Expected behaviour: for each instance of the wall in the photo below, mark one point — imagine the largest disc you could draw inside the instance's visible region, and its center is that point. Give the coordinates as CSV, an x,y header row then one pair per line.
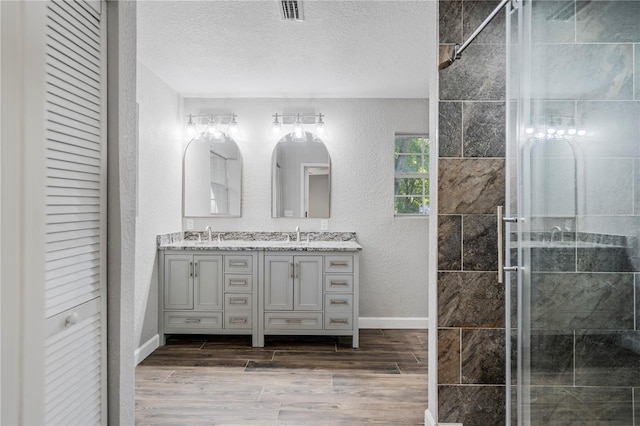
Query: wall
x,y
158,191
471,183
360,134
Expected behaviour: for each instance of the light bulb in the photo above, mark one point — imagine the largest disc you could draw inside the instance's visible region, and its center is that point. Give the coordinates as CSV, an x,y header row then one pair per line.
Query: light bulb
x,y
298,129
582,132
212,128
233,126
529,130
560,132
551,130
276,127
320,125
540,135
191,127
572,131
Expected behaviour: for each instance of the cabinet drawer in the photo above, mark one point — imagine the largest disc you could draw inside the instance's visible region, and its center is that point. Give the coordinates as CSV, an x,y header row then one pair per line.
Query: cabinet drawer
x,y
341,283
238,301
338,302
240,283
338,263
292,321
338,320
238,263
238,320
177,321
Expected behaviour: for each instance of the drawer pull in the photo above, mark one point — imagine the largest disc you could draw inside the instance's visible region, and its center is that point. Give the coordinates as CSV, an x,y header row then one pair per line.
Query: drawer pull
x,y
238,301
339,263
238,283
340,283
339,302
339,321
193,320
293,321
238,320
237,263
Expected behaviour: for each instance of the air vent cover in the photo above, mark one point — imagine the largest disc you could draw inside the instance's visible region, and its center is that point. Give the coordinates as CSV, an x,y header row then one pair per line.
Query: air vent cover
x,y
291,10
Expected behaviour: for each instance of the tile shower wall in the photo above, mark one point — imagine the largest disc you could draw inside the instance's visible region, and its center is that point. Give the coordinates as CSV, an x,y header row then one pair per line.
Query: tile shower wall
x,y
471,183
585,366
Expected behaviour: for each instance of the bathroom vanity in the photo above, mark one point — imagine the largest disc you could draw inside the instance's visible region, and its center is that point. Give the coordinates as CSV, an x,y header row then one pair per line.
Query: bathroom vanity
x,y
259,284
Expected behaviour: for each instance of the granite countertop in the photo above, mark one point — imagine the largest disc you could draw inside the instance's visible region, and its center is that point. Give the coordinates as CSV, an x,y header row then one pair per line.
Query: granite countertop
x,y
266,241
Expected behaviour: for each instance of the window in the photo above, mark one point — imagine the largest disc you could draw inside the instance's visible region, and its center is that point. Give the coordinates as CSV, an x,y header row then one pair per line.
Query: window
x,y
411,177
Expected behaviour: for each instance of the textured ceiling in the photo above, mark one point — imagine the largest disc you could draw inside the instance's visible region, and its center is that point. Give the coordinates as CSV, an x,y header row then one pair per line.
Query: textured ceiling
x,y
239,48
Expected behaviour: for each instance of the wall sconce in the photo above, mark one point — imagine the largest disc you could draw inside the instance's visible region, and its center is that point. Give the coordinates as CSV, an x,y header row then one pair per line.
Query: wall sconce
x,y
213,125
298,120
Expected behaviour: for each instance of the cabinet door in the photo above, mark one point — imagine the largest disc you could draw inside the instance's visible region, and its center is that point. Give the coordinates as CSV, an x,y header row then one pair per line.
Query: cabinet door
x,y
178,283
307,287
208,282
278,283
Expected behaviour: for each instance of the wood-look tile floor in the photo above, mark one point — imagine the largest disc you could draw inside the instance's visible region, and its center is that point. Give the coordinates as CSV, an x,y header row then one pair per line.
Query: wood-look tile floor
x,y
293,380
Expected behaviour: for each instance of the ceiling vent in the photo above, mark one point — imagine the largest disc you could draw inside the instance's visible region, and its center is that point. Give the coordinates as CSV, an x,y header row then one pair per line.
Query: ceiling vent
x,y
291,10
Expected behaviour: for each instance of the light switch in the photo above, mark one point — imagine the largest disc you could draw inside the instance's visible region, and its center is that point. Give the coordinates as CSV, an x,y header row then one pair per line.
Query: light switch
x,y
189,224
324,224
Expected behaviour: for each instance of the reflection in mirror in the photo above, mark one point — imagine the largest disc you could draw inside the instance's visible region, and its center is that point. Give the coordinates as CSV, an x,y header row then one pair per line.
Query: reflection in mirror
x,y
212,174
301,178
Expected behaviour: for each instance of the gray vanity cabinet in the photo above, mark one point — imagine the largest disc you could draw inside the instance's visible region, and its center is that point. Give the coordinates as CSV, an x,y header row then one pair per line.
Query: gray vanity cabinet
x,y
209,293
293,283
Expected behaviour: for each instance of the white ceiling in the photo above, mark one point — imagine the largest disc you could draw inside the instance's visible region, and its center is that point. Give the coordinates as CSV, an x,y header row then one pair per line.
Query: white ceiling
x,y
238,48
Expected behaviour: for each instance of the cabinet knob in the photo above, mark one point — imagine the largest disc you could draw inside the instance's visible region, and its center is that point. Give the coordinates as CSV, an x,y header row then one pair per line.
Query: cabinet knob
x,y
71,319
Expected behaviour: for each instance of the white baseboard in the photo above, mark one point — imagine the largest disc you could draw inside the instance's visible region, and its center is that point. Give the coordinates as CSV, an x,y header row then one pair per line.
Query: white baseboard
x,y
147,347
392,322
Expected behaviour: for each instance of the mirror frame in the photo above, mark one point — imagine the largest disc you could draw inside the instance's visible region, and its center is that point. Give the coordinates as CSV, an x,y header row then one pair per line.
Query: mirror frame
x,y
184,180
309,137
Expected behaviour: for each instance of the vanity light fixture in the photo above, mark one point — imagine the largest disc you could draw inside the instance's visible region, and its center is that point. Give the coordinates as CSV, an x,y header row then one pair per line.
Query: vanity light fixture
x,y
298,120
213,125
559,128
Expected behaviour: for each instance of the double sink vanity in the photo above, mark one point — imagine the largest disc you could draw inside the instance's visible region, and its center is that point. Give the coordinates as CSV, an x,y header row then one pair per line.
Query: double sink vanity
x,y
259,283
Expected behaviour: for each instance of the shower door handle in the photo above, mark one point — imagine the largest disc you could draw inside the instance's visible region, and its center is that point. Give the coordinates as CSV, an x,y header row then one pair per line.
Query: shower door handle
x,y
501,220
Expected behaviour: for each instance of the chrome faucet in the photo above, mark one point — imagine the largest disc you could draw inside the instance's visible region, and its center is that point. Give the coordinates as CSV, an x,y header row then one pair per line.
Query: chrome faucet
x,y
297,234
208,229
554,230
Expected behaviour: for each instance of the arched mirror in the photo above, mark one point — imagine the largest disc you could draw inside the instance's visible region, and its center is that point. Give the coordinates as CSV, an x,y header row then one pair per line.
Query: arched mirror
x,y
212,175
300,178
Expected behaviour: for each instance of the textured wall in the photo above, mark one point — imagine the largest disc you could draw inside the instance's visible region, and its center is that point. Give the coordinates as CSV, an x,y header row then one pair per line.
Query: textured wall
x,y
393,270
159,189
471,335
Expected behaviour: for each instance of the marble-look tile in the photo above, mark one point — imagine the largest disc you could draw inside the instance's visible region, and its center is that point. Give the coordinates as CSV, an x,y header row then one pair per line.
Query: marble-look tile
x,y
472,405
582,301
607,358
450,129
470,299
474,12
636,73
608,21
479,243
449,355
480,74
613,129
562,406
483,356
552,357
607,259
636,186
608,188
484,129
450,21
637,285
449,242
553,21
544,259
582,71
470,185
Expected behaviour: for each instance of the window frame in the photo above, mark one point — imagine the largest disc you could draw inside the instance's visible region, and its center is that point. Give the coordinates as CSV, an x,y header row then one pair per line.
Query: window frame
x,y
424,176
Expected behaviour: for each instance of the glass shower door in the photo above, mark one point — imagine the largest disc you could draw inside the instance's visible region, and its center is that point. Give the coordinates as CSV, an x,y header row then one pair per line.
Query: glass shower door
x,y
575,78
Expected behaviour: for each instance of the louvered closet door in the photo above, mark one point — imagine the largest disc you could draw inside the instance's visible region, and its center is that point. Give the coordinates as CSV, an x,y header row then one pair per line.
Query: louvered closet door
x,y
75,382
